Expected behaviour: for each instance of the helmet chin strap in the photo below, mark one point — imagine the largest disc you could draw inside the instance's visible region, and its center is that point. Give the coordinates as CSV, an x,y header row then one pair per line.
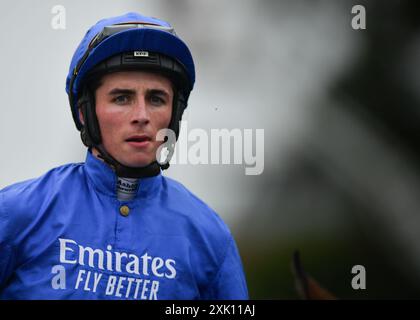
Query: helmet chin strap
x,y
123,171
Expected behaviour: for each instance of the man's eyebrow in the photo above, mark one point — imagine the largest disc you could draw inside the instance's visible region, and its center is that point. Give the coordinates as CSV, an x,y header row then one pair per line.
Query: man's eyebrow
x,y
158,92
117,91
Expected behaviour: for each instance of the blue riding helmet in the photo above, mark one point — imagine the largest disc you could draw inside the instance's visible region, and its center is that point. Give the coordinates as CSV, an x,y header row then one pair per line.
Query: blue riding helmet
x,y
152,35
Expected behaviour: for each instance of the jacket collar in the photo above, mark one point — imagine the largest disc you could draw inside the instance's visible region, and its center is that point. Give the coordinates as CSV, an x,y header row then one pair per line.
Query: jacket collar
x,y
104,179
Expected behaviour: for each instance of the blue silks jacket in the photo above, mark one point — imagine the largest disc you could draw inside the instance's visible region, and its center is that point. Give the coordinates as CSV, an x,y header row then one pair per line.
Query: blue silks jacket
x,y
65,235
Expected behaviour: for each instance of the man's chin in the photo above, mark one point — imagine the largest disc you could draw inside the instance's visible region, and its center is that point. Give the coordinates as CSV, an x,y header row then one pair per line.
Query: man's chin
x,y
137,163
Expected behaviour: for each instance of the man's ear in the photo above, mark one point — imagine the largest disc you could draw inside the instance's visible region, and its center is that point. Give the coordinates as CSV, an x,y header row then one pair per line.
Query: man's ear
x,y
81,118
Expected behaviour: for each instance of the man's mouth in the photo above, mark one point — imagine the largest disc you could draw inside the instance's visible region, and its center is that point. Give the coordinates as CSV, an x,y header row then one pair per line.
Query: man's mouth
x,y
139,141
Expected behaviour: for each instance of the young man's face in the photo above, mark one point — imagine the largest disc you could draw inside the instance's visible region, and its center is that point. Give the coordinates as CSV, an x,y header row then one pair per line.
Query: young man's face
x,y
131,108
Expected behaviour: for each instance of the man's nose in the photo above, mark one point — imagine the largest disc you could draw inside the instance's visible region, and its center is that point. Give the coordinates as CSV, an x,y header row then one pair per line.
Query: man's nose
x,y
140,114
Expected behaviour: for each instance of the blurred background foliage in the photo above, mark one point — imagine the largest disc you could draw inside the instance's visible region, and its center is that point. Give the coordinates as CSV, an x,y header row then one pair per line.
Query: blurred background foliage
x,y
349,192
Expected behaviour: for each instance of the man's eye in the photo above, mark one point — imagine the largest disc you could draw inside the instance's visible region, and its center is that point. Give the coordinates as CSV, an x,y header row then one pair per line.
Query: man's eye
x,y
156,100
124,99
